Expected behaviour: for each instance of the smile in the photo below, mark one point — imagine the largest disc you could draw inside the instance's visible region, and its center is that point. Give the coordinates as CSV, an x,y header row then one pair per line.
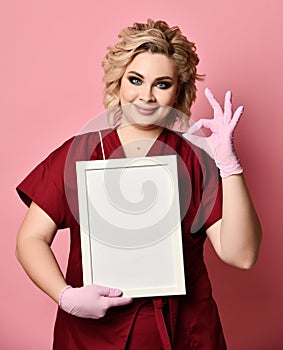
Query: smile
x,y
146,110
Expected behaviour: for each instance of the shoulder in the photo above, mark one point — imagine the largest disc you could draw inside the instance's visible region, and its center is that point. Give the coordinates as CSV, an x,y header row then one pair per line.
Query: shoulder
x,y
199,164
185,149
78,147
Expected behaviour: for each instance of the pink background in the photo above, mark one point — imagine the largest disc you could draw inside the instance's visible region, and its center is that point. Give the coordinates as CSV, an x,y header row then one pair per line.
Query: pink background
x,y
51,86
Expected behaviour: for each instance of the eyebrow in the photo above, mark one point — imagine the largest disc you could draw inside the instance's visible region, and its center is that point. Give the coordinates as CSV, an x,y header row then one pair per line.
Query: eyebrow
x,y
166,77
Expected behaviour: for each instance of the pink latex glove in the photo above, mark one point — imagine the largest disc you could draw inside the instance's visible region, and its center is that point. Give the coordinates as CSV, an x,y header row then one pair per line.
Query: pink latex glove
x,y
219,145
91,301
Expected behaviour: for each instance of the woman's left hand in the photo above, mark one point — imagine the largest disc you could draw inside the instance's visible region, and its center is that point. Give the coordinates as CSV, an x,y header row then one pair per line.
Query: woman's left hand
x,y
219,145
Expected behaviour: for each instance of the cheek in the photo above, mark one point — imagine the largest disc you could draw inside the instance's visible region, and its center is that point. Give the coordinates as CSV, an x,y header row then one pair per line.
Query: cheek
x,y
127,93
172,99
169,98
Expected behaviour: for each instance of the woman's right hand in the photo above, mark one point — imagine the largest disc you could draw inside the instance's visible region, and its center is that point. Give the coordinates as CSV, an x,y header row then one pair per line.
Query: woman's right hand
x,y
90,301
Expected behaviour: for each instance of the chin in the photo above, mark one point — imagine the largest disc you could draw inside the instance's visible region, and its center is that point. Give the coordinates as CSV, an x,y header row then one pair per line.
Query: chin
x,y
147,125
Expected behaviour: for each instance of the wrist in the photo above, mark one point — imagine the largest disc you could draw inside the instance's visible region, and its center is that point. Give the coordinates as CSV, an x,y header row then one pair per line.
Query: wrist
x,y
61,294
227,170
227,161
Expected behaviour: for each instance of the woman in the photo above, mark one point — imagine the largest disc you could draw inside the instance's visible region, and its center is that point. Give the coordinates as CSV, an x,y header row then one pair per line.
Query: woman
x,y
150,78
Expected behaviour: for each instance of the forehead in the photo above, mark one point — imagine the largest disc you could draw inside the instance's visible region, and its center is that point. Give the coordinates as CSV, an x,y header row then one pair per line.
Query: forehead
x,y
152,64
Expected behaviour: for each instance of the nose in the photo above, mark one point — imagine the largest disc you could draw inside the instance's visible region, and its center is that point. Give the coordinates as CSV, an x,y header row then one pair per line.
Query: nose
x,y
146,94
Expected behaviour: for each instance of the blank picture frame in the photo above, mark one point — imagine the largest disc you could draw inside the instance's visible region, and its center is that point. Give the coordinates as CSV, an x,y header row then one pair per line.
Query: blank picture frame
x,y
130,225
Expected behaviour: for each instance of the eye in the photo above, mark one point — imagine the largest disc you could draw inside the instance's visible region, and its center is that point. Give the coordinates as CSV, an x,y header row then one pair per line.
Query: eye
x,y
134,80
163,85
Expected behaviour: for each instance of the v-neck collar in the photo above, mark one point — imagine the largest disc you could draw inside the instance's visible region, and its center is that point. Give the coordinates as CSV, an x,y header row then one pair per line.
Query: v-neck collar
x,y
151,150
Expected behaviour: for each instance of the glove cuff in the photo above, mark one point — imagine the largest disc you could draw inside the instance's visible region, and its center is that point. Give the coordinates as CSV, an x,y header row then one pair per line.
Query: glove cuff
x,y
61,295
233,168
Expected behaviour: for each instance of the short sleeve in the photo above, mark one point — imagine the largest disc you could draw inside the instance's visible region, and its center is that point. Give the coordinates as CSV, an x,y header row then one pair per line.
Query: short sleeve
x,y
214,205
45,186
210,200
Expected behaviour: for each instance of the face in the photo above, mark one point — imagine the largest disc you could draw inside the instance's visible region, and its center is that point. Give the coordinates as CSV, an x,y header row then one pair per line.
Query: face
x,y
148,89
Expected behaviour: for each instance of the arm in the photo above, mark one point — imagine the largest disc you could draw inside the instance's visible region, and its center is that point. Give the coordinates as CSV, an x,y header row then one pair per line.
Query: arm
x,y
35,255
236,237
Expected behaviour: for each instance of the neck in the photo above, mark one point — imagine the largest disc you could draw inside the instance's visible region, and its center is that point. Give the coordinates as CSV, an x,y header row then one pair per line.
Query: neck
x,y
131,132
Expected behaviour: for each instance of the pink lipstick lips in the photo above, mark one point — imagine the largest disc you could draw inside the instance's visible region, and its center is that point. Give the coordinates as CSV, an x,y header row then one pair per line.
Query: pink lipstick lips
x,y
146,110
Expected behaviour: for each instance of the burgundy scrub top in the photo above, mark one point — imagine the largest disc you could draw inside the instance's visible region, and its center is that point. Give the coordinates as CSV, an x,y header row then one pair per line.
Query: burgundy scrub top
x,y
189,321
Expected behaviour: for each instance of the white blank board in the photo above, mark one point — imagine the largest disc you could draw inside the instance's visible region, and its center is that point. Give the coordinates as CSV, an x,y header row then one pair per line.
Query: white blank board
x,y
130,225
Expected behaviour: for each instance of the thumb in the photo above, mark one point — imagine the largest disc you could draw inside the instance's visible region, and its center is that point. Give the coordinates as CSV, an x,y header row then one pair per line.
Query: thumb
x,y
206,123
201,142
108,291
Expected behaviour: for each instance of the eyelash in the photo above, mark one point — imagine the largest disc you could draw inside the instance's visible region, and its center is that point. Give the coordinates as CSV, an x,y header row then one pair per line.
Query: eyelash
x,y
137,81
166,85
134,80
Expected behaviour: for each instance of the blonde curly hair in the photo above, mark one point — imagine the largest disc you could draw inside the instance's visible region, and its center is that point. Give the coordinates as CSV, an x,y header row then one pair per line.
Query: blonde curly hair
x,y
155,37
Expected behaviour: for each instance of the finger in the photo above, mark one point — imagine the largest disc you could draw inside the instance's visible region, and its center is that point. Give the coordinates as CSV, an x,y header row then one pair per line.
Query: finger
x,y
214,103
201,142
119,301
201,123
236,117
228,107
107,291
